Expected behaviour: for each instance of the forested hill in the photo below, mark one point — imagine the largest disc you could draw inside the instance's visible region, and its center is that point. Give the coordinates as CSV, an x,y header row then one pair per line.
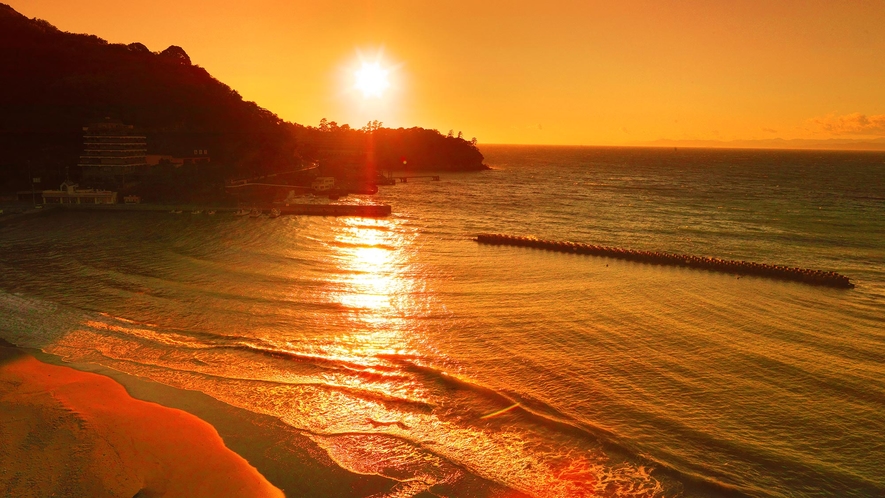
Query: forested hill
x,y
54,83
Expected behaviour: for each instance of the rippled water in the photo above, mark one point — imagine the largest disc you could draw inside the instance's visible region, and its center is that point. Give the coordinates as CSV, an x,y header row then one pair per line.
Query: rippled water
x,y
403,348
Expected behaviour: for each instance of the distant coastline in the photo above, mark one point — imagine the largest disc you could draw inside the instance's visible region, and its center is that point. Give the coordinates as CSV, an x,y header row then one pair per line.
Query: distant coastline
x,y
845,144
835,145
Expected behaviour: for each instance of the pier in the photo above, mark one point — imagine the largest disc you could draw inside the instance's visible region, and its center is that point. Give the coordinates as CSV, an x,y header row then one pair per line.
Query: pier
x,y
405,179
806,276
360,210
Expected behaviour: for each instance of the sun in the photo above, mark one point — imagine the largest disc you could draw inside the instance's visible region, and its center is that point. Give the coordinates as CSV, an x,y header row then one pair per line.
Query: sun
x,y
371,79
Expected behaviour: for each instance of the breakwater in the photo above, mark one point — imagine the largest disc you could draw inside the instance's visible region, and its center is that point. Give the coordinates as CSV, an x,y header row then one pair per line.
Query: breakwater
x,y
360,210
812,277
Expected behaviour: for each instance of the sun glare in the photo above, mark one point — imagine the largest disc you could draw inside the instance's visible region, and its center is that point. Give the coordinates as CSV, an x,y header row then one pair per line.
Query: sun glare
x,y
371,79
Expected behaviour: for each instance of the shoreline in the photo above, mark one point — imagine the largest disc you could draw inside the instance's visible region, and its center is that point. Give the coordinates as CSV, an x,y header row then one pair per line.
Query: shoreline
x,y
73,433
361,210
85,430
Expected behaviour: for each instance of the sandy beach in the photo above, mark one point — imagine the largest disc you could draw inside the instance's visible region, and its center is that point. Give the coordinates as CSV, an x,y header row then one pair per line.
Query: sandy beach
x,y
70,433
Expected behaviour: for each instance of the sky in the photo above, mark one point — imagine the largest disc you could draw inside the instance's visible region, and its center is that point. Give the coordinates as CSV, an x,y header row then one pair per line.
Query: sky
x,y
553,72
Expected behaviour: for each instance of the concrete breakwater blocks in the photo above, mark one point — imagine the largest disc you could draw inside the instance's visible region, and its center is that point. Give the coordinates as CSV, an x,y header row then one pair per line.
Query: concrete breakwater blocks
x,y
811,277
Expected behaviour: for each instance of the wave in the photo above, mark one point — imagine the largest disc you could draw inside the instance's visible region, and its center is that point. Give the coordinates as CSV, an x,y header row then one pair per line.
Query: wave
x,y
364,391
521,405
532,412
33,322
360,245
453,407
440,423
337,362
380,228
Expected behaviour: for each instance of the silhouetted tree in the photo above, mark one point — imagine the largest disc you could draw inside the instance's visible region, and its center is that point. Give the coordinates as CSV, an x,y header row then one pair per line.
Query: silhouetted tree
x,y
176,53
138,48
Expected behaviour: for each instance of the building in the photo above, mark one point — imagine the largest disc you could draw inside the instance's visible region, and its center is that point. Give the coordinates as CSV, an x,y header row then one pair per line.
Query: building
x,y
323,184
68,193
157,159
113,153
199,156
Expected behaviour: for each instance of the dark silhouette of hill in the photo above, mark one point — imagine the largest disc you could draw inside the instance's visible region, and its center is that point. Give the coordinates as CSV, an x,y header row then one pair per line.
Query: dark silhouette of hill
x,y
55,83
59,82
374,149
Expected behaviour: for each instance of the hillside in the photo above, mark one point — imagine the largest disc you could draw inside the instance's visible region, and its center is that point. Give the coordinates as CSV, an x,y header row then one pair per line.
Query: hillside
x,y
62,82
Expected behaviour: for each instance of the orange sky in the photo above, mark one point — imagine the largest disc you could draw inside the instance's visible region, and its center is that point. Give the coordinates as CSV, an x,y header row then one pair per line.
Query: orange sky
x,y
554,72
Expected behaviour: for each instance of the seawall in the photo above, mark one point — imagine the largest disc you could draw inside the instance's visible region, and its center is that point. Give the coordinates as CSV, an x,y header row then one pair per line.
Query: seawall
x,y
806,276
362,210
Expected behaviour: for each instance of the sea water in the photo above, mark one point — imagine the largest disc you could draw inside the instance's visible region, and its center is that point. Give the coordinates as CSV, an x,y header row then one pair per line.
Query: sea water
x,y
400,347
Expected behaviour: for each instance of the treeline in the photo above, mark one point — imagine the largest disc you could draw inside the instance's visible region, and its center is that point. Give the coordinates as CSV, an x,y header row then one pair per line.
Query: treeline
x,y
378,149
55,83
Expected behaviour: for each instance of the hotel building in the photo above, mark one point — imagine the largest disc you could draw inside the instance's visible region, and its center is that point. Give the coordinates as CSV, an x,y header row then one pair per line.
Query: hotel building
x,y
112,154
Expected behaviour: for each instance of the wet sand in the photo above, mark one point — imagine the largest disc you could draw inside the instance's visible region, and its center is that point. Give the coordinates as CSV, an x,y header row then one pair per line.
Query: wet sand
x,y
64,432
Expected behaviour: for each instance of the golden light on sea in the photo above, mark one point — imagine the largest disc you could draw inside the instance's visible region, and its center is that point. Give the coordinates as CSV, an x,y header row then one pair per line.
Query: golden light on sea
x,y
373,288
373,285
367,265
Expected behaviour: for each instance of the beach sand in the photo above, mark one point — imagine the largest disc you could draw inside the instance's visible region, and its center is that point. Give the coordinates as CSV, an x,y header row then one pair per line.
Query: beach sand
x,y
64,432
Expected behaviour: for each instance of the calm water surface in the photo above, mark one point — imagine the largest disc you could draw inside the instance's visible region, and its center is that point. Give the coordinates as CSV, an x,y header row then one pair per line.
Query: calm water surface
x,y
401,347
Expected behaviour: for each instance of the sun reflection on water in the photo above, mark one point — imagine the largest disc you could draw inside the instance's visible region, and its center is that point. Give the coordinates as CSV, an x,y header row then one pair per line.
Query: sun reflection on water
x,y
368,258
373,284
368,386
370,284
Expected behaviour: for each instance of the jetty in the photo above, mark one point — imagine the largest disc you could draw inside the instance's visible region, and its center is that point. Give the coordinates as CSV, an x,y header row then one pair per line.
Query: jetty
x,y
405,179
359,210
802,275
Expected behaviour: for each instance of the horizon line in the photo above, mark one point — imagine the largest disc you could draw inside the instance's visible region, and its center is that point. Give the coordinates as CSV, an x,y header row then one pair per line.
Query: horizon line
x,y
725,146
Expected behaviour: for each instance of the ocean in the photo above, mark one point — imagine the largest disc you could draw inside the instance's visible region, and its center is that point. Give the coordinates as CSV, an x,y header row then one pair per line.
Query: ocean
x,y
400,347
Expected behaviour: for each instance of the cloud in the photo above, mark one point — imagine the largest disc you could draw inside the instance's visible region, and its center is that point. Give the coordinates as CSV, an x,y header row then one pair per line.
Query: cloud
x,y
769,130
851,124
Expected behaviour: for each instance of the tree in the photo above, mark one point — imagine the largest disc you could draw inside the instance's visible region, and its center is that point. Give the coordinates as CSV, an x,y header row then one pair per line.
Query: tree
x,y
138,48
178,54
372,126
